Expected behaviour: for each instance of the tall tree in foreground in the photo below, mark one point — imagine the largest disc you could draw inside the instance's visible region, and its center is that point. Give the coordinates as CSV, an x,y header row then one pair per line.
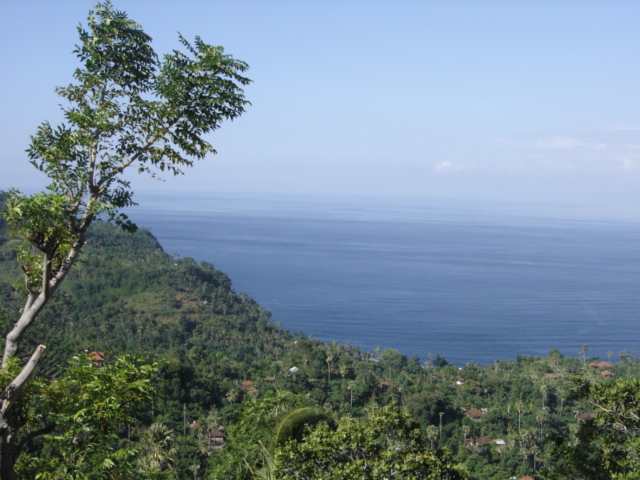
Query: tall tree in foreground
x,y
127,110
84,416
384,445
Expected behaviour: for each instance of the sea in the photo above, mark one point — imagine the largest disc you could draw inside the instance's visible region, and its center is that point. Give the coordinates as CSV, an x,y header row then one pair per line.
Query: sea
x,y
469,281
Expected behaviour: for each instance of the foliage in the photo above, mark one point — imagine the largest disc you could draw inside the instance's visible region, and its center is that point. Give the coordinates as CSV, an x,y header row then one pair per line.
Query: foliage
x,y
127,109
224,361
609,444
42,222
127,295
157,452
265,424
85,415
384,445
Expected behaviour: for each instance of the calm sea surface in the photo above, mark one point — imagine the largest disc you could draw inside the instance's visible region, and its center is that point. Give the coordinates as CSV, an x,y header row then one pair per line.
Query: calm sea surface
x,y
468,282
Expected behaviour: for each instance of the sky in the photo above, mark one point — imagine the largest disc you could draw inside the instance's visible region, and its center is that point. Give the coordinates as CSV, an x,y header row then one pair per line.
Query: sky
x,y
502,101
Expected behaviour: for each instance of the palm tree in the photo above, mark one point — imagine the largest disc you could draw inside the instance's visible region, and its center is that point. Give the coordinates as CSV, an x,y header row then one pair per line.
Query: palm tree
x,y
465,431
562,396
194,468
520,407
542,416
329,361
351,384
583,353
157,449
624,358
290,427
432,434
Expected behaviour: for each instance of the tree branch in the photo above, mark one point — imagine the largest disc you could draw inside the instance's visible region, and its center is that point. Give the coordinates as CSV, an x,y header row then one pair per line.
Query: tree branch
x,y
45,276
11,392
33,434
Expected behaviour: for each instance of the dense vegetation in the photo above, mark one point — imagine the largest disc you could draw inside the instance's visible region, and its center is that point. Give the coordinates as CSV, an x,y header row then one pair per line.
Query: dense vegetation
x,y
120,361
152,367
282,405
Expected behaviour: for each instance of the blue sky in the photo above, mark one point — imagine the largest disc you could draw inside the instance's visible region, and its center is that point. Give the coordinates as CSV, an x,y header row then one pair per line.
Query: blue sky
x,y
506,101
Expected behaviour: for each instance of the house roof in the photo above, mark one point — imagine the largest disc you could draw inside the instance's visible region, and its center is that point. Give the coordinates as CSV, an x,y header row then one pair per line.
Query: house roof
x,y
218,433
96,356
474,413
600,365
584,416
483,441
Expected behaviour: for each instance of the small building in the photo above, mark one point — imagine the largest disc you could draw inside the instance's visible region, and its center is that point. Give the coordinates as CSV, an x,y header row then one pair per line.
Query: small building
x,y
478,442
600,365
483,441
217,437
475,414
97,358
583,417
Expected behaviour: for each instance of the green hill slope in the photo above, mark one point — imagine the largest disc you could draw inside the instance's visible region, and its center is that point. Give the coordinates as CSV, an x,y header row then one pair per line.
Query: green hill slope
x,y
224,359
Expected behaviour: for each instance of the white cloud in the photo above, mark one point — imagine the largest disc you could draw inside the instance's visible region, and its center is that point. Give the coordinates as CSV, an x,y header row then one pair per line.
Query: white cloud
x,y
558,142
447,166
627,164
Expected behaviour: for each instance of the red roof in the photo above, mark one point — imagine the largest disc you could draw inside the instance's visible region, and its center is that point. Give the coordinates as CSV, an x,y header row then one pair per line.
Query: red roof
x,y
483,441
584,416
601,365
96,356
218,433
474,413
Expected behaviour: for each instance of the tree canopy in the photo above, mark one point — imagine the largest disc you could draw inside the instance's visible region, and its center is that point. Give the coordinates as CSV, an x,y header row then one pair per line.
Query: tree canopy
x,y
128,109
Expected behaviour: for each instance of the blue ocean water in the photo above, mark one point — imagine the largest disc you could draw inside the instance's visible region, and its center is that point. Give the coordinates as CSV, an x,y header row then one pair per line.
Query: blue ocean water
x,y
469,282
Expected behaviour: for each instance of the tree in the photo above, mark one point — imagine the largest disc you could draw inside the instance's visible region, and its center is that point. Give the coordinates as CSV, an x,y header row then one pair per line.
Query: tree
x,y
609,444
432,434
127,110
84,417
583,353
157,450
426,407
265,424
384,445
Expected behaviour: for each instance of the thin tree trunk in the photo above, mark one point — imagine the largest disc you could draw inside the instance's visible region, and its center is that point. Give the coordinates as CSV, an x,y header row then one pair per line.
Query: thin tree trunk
x,y
7,399
7,461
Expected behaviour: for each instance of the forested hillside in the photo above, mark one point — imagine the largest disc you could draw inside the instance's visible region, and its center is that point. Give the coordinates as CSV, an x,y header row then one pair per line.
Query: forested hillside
x,y
228,377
